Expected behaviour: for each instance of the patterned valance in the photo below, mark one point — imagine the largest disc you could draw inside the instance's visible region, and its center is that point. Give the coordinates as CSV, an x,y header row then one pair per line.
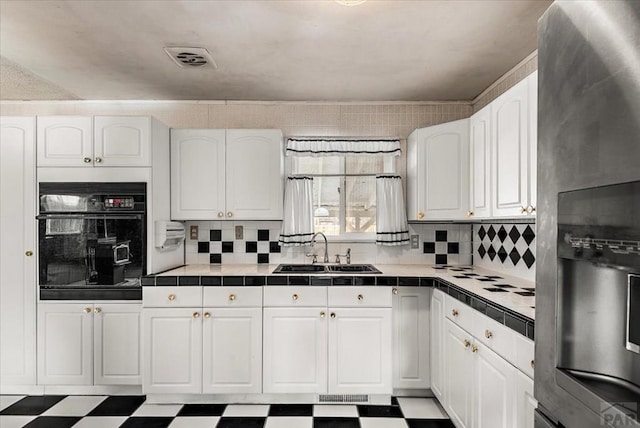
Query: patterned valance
x,y
342,146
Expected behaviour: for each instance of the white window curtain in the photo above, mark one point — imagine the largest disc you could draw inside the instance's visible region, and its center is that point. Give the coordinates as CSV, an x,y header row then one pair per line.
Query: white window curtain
x,y
391,223
297,226
335,146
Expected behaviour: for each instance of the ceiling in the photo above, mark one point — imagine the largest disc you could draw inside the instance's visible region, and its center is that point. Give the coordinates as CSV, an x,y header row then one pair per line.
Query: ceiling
x,y
291,50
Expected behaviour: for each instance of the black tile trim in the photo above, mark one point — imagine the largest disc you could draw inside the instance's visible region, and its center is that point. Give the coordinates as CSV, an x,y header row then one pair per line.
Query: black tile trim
x,y
166,280
188,280
232,280
505,316
211,280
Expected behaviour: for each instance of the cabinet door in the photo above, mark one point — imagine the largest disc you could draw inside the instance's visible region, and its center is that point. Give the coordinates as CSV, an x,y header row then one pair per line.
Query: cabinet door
x,y
232,351
458,368
116,344
526,404
197,174
480,146
295,350
360,351
533,140
172,351
65,351
122,141
254,174
437,346
411,323
493,389
17,267
441,182
65,141
510,147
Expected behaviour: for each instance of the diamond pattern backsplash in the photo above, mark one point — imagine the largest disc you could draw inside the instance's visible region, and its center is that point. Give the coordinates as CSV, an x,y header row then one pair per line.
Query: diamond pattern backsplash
x,y
506,247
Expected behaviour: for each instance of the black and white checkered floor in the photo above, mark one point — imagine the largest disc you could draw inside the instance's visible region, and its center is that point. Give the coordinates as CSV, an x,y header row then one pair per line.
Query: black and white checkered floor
x,y
59,411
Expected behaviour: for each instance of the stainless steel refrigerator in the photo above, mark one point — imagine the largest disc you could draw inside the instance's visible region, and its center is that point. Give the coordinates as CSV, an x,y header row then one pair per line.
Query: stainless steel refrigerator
x,y
588,225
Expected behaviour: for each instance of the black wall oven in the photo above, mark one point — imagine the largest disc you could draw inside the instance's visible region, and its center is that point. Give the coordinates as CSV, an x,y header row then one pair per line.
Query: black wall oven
x,y
92,240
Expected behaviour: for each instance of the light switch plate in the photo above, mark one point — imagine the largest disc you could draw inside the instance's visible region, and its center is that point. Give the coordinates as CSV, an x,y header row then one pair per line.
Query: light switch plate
x,y
239,232
415,241
193,233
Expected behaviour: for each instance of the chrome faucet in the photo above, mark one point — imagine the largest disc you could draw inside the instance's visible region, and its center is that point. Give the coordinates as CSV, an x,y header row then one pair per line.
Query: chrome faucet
x,y
347,255
326,245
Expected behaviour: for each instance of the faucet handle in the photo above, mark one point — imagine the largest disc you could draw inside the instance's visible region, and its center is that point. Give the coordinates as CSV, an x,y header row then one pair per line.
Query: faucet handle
x,y
315,258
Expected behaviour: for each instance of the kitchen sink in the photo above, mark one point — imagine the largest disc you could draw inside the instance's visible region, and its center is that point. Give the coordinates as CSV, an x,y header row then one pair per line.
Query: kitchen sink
x,y
320,268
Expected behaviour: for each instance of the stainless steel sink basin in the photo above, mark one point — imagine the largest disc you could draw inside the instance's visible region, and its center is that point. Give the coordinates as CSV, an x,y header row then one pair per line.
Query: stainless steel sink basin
x,y
317,268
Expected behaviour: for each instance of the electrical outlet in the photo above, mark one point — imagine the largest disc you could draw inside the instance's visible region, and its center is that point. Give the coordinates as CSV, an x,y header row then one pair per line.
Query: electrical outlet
x,y
415,241
193,232
239,232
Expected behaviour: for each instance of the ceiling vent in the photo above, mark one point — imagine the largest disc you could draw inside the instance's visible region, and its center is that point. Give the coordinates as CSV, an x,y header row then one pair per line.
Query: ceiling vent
x,y
191,57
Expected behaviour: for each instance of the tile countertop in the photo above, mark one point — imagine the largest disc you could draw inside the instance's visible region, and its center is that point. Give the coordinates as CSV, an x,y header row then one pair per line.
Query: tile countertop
x,y
492,286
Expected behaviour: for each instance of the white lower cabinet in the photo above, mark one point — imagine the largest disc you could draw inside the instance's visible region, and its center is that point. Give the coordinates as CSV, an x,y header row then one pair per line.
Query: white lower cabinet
x,y
436,329
493,389
336,345
295,350
215,349
477,381
458,375
117,344
411,324
526,404
232,350
88,344
360,351
172,350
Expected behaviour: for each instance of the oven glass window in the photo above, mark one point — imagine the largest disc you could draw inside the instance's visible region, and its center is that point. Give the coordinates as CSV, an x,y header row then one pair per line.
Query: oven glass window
x,y
89,250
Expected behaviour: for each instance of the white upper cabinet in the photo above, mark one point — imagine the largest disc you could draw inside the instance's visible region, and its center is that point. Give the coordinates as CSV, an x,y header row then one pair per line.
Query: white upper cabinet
x,y
122,141
480,146
197,174
512,149
438,172
233,174
65,141
254,174
81,141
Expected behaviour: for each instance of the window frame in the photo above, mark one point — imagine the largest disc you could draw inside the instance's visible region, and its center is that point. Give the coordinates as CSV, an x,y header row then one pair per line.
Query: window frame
x,y
389,167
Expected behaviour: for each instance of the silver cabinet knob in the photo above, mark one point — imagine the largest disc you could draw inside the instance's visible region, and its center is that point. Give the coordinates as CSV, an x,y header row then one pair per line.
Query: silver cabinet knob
x,y
86,160
98,160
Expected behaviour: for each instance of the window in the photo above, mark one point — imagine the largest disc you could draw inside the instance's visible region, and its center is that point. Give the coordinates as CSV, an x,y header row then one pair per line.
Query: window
x,y
344,192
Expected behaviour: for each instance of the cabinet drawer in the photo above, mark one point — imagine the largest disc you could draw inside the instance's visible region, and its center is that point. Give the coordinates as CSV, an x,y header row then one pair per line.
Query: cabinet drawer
x,y
496,336
276,296
524,358
375,297
171,297
459,313
241,297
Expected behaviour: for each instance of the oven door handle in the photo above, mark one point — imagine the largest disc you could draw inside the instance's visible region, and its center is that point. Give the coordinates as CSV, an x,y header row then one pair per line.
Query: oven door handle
x,y
89,216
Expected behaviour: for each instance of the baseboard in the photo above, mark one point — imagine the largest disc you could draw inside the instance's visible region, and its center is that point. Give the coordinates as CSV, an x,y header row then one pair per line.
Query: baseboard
x,y
403,392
